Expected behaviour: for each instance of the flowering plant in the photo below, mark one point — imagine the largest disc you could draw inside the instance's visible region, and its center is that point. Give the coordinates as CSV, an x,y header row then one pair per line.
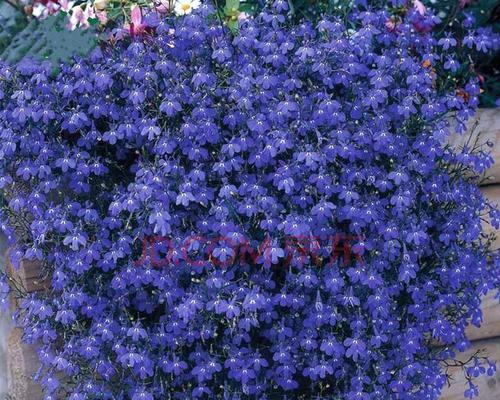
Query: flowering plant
x,y
83,13
486,14
451,15
280,132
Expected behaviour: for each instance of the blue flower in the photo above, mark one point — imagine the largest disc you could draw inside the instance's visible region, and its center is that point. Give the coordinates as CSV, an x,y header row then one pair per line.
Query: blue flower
x,y
254,215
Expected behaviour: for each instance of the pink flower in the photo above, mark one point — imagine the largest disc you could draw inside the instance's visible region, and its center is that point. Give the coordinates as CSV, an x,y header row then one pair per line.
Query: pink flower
x,y
162,6
80,17
53,7
102,16
66,5
136,25
89,13
77,18
419,7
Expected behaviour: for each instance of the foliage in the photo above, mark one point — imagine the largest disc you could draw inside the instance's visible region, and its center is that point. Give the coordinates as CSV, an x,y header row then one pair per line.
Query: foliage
x,y
487,15
278,138
44,39
11,22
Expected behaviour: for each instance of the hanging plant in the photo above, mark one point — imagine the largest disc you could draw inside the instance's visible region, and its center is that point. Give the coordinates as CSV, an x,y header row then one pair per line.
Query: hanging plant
x,y
268,215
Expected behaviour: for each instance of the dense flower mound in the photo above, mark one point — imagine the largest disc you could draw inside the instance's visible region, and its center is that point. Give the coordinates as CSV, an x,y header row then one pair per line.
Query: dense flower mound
x,y
188,195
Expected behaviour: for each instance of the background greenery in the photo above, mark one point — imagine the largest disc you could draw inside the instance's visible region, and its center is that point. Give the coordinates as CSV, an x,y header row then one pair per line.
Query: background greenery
x,y
46,39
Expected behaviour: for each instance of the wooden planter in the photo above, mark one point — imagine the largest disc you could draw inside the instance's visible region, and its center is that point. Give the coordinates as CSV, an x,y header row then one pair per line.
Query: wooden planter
x,y
22,360
486,338
486,128
485,131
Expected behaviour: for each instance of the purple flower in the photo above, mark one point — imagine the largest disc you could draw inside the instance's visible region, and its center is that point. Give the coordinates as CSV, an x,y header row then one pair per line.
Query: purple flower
x,y
250,215
355,348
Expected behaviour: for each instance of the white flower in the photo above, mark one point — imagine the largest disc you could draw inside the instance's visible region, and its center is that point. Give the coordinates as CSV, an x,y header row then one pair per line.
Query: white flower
x,y
183,7
40,11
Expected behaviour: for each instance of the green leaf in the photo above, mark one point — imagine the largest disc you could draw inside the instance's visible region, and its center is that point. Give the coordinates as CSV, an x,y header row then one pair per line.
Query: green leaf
x,y
55,71
248,8
233,25
49,39
231,6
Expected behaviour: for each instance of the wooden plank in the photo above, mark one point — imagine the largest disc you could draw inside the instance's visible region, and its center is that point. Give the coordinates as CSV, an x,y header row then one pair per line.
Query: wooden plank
x,y
488,130
22,364
32,276
22,360
492,193
29,275
488,335
490,306
489,386
491,319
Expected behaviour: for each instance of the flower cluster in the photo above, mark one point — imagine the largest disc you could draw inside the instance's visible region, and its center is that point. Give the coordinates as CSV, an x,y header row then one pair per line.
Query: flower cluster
x,y
81,14
453,14
281,131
